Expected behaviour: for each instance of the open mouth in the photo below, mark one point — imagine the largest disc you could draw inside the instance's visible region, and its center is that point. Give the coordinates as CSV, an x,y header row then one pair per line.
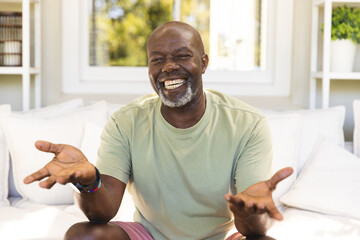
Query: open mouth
x,y
172,84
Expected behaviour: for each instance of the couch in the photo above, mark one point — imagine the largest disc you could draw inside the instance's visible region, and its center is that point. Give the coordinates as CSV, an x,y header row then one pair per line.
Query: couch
x,y
321,200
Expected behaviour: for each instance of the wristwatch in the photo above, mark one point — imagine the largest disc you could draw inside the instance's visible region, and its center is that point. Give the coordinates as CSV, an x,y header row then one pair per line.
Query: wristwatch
x,y
94,186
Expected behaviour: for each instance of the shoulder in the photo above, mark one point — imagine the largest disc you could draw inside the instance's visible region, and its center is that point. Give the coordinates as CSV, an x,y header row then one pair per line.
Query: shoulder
x,y
139,106
233,106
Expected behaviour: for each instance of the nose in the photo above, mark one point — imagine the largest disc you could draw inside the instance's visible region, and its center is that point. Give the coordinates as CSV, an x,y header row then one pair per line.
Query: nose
x,y
170,66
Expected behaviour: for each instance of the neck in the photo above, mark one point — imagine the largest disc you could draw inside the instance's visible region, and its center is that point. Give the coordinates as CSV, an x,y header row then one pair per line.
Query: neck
x,y
185,116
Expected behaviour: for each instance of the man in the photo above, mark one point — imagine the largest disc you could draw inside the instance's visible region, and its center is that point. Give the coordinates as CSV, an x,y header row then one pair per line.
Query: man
x,y
193,160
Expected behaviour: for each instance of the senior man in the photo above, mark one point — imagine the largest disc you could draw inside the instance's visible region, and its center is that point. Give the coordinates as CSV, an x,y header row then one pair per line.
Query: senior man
x,y
197,162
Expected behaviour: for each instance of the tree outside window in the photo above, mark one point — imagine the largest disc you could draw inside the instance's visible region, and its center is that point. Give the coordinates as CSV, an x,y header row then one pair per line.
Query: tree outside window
x,y
118,30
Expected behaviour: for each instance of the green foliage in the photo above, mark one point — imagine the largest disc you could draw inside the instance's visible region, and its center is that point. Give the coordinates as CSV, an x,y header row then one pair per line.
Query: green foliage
x,y
120,28
346,24
120,39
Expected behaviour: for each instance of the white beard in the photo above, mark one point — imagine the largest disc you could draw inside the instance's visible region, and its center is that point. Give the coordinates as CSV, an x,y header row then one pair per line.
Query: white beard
x,y
185,99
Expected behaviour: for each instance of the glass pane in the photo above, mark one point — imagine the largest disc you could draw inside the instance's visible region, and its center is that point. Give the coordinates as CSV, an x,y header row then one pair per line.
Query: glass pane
x,y
197,14
119,30
236,35
233,34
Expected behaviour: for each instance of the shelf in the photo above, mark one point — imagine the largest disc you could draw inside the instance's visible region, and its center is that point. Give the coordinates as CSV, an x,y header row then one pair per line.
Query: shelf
x,y
322,2
345,76
17,1
18,70
31,49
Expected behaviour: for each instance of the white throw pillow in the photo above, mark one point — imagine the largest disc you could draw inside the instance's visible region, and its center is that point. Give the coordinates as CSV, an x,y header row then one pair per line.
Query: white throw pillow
x,y
44,112
285,131
329,183
111,107
328,123
4,160
23,131
356,107
54,109
89,146
91,141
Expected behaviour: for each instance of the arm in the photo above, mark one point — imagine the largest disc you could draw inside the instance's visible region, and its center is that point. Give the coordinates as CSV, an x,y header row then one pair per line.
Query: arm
x,y
254,207
102,205
69,165
253,200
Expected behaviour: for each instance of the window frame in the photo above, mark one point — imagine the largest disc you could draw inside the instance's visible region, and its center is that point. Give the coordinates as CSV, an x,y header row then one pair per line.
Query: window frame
x,y
79,77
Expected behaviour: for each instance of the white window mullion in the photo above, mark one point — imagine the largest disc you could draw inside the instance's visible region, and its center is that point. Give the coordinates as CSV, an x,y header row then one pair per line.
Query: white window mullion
x,y
177,10
276,36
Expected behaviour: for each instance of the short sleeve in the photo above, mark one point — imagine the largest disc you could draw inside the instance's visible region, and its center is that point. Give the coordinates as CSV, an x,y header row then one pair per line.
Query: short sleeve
x,y
254,163
114,155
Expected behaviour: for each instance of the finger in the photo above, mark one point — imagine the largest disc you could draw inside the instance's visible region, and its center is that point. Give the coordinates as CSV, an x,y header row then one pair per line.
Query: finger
x,y
260,208
48,146
65,177
234,199
36,176
48,183
274,212
235,203
69,176
278,177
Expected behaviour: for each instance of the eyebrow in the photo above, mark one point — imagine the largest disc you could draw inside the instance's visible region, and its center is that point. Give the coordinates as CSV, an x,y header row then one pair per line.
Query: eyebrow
x,y
152,53
182,49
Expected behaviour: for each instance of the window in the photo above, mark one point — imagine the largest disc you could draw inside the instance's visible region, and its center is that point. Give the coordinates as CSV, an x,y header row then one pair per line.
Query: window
x,y
105,43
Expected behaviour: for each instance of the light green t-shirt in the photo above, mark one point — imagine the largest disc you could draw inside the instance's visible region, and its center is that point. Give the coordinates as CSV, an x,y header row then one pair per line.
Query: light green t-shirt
x,y
178,177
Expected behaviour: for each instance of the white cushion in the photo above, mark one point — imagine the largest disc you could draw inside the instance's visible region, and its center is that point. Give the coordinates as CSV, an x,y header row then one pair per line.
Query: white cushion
x,y
356,140
44,112
54,109
329,183
91,141
4,160
89,146
314,123
23,131
5,108
37,222
285,131
111,107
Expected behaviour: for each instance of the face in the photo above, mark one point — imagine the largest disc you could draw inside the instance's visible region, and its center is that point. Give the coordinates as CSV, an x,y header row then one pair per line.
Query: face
x,y
176,62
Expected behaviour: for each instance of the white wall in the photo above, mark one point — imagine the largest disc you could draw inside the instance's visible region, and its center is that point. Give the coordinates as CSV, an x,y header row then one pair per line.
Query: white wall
x,y
342,92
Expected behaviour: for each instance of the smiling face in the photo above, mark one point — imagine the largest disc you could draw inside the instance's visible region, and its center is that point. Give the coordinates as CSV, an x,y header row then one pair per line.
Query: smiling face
x,y
176,63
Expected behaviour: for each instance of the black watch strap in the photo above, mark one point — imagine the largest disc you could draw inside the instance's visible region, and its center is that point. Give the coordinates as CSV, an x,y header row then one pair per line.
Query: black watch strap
x,y
89,188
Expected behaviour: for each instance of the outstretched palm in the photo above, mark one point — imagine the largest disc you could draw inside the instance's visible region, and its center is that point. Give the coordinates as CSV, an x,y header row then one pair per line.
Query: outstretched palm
x,y
68,165
257,198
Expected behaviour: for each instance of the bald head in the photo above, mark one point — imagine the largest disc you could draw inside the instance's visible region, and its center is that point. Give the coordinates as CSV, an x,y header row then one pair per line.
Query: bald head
x,y
178,29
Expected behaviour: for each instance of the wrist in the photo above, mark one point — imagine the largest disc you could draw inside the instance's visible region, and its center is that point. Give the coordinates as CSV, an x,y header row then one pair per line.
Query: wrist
x,y
93,187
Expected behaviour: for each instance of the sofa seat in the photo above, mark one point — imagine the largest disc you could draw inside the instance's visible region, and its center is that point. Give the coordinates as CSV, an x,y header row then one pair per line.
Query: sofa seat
x,y
301,224
319,201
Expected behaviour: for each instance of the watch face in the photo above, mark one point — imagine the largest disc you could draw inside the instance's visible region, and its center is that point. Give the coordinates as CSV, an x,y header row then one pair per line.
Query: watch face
x,y
78,187
74,187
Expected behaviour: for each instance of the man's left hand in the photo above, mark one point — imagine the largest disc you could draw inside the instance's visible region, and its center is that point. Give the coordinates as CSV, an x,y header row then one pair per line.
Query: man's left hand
x,y
257,199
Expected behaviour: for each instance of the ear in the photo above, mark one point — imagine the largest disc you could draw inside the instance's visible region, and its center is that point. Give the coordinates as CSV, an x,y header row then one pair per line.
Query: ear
x,y
205,62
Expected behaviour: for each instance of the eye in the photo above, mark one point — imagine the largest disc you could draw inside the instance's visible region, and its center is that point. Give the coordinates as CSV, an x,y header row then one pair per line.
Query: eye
x,y
156,60
183,56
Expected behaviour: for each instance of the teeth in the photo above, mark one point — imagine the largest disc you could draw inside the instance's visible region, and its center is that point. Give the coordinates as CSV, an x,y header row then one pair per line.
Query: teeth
x,y
172,84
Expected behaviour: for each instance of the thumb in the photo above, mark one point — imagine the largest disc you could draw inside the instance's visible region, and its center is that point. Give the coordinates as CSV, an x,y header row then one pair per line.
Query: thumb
x,y
278,177
46,146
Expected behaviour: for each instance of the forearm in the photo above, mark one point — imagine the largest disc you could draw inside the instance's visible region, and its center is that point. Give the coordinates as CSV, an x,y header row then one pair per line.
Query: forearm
x,y
103,204
253,225
97,206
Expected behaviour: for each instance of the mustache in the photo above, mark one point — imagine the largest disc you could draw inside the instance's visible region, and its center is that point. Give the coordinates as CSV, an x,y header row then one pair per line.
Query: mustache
x,y
177,73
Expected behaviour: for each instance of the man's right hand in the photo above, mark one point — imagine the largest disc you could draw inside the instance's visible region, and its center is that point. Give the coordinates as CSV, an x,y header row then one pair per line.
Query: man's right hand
x,y
68,165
